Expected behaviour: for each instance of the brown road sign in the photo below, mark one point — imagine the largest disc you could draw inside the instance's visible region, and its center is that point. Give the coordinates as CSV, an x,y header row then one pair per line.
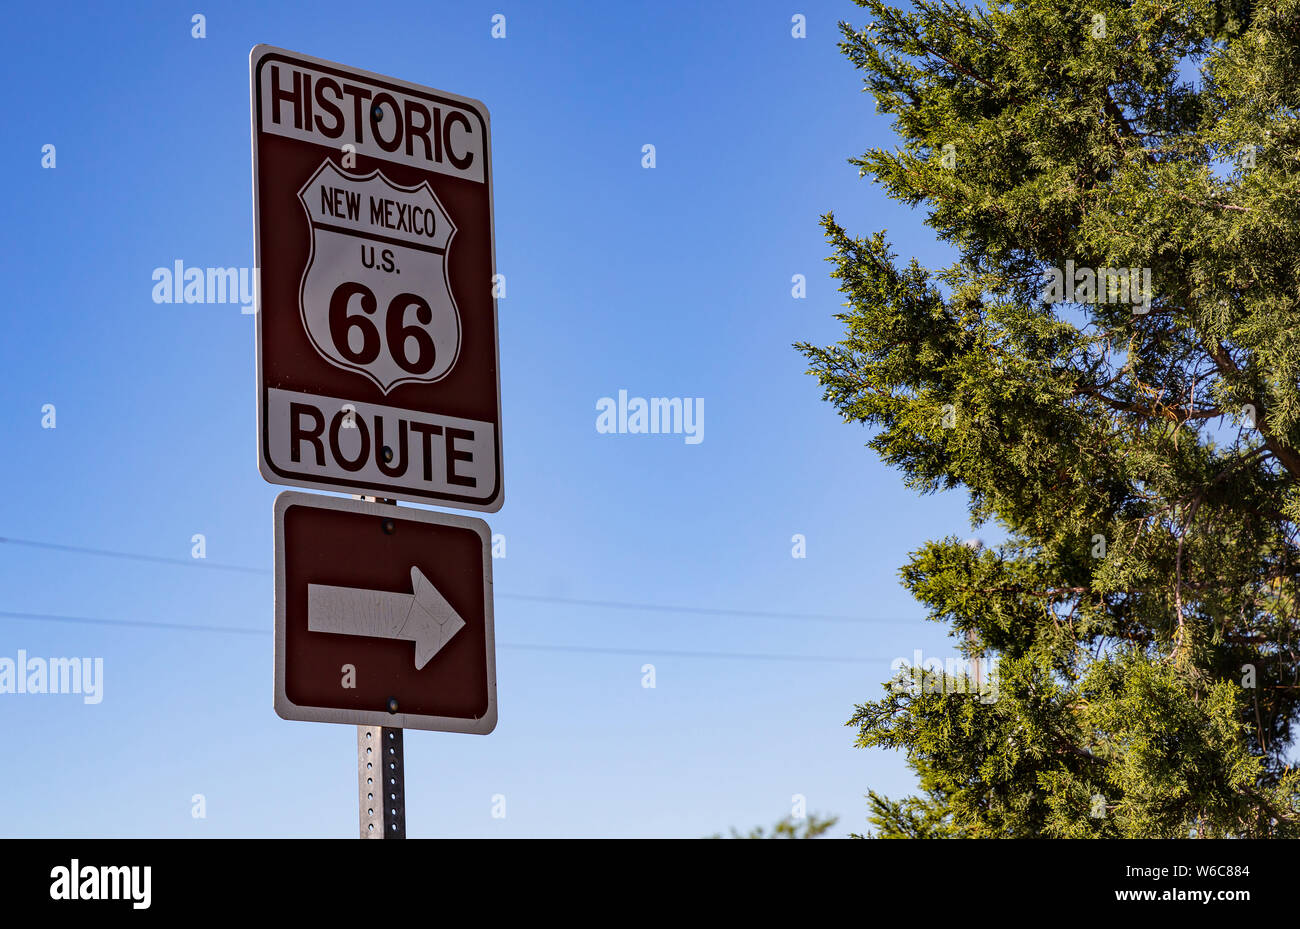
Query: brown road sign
x,y
377,367
383,616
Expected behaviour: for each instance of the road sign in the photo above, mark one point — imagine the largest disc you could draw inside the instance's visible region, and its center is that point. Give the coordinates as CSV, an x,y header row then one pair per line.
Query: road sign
x,y
376,327
383,615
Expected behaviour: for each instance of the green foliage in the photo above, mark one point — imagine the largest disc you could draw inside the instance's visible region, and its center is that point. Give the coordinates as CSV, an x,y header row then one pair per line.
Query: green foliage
x,y
1143,467
924,817
812,827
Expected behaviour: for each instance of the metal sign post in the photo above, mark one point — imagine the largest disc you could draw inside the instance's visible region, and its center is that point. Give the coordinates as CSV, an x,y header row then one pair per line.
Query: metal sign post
x,y
381,772
381,782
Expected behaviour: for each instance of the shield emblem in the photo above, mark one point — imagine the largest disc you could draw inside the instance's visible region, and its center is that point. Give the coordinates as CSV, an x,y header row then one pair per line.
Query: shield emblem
x,y
375,297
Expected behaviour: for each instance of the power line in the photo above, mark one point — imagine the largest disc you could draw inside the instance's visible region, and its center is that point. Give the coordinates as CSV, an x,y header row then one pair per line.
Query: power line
x,y
681,654
533,598
699,610
143,624
521,646
135,556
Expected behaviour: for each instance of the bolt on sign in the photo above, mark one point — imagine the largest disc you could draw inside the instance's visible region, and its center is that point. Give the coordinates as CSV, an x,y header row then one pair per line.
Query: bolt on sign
x,y
383,616
376,327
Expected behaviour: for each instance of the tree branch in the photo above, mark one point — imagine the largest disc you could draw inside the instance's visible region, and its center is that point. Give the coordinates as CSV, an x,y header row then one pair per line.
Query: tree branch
x,y
1285,455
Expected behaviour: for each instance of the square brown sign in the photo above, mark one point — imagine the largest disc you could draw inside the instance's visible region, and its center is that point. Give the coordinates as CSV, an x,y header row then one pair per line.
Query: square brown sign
x,y
383,615
377,353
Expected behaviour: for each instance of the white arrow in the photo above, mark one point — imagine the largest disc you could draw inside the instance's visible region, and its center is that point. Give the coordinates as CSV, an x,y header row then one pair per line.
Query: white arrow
x,y
423,616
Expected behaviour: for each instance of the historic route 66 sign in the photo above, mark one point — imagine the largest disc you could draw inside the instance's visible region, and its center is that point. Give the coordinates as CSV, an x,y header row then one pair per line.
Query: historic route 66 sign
x,y
376,323
375,296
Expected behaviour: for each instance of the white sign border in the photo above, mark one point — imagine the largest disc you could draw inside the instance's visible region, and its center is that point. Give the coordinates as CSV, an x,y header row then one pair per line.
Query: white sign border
x,y
287,709
255,56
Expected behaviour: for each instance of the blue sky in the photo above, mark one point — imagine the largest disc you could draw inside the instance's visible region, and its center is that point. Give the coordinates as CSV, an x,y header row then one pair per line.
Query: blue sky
x,y
674,281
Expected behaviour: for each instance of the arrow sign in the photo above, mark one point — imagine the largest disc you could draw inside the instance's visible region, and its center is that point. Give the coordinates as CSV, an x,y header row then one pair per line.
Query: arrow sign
x,y
345,592
423,616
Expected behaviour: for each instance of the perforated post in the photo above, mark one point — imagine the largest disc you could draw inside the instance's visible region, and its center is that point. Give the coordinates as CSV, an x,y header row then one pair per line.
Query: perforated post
x,y
381,782
381,773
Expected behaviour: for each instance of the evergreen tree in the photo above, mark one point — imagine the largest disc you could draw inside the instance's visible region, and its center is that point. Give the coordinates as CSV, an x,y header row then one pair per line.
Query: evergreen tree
x,y
1137,448
811,826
